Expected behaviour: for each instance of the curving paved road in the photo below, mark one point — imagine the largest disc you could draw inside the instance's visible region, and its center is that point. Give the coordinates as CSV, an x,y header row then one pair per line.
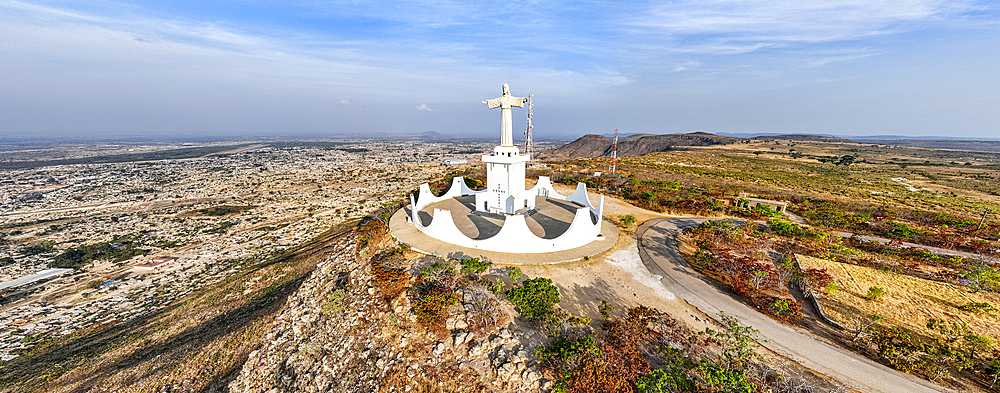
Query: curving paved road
x,y
658,247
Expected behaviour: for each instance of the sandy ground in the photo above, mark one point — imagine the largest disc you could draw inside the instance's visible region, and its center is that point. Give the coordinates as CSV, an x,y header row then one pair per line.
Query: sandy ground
x,y
621,279
618,276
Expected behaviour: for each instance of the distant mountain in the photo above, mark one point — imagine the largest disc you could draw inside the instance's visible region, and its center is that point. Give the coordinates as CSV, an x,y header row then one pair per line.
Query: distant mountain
x,y
802,137
761,134
953,144
867,138
433,136
428,136
633,145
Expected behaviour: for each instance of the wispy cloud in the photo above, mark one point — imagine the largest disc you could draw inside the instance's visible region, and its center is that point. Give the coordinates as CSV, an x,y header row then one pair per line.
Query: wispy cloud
x,y
833,59
828,80
686,65
425,108
738,26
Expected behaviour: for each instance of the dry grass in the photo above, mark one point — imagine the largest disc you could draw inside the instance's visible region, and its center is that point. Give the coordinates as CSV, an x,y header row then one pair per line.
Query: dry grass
x,y
951,186
909,301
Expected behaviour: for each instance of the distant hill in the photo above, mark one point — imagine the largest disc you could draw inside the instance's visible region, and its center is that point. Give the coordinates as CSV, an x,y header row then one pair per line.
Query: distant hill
x,y
968,145
633,145
802,137
433,136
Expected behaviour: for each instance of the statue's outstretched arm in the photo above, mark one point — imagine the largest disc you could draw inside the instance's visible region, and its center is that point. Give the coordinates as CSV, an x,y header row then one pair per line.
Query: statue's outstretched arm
x,y
494,103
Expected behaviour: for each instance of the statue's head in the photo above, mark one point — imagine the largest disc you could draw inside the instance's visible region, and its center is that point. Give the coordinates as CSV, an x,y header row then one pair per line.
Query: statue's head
x,y
506,89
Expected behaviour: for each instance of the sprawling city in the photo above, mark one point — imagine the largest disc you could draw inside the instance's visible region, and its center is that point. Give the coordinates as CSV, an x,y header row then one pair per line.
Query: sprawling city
x,y
92,224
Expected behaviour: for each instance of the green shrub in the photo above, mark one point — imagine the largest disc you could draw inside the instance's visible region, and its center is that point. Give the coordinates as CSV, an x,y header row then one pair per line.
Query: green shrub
x,y
666,381
515,273
739,342
430,308
567,349
535,297
875,294
334,302
627,220
896,346
977,343
899,230
681,374
495,287
44,247
784,228
578,321
437,271
982,277
765,211
782,307
475,265
606,309
976,307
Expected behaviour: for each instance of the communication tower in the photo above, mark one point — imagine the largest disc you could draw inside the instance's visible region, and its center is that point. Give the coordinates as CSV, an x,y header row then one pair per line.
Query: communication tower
x,y
614,152
527,132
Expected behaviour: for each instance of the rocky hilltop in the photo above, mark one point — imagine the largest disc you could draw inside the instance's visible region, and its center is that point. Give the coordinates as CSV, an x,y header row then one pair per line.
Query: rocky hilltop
x,y
351,328
634,145
803,138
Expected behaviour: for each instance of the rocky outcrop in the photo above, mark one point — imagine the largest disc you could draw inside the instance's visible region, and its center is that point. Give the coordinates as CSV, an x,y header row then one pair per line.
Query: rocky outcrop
x,y
338,333
589,146
327,338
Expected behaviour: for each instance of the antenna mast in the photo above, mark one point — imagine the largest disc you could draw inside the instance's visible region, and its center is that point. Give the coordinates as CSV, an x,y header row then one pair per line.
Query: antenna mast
x,y
527,132
614,152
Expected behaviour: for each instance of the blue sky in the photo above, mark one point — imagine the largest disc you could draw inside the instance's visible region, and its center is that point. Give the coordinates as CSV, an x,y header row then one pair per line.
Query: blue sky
x,y
309,68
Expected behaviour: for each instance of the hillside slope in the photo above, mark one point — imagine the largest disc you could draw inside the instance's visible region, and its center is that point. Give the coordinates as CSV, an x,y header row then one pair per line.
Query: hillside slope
x,y
636,145
199,343
349,329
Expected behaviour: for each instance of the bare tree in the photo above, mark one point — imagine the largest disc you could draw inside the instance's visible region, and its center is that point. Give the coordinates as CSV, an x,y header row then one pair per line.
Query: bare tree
x,y
861,324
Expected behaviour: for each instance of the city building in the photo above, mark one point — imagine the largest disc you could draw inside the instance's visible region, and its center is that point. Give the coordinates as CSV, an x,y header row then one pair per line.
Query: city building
x,y
747,202
156,263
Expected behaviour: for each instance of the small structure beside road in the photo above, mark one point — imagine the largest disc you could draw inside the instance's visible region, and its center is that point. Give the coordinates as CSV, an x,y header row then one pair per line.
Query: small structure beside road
x,y
747,202
156,263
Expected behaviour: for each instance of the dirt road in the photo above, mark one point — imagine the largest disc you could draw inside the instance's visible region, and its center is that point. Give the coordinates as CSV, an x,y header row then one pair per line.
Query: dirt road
x,y
659,250
936,250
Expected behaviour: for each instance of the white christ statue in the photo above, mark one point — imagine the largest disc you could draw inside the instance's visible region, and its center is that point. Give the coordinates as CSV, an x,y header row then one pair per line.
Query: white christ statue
x,y
504,102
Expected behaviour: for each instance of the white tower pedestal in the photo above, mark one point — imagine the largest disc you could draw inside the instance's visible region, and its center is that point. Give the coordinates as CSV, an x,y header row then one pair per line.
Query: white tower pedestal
x,y
505,193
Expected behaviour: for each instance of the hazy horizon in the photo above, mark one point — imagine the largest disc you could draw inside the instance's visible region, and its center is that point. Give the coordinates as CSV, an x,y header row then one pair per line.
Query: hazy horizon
x,y
230,70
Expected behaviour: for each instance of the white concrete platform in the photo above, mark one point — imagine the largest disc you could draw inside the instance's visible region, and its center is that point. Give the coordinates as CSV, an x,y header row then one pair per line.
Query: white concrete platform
x,y
407,233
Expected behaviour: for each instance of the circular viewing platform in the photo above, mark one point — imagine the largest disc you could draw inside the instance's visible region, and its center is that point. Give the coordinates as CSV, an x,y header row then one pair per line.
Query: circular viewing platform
x,y
550,219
